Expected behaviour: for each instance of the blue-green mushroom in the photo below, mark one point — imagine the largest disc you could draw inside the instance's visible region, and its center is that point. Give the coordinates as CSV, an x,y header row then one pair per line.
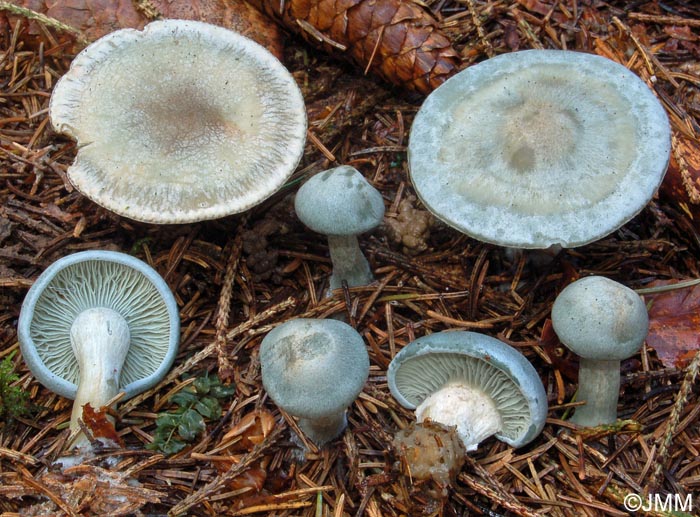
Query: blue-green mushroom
x,y
539,148
97,323
341,204
314,369
472,381
603,322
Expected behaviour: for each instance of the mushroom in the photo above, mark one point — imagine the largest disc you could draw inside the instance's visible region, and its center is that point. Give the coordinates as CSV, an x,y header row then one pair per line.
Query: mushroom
x,y
539,148
341,204
183,121
314,369
603,322
472,381
97,323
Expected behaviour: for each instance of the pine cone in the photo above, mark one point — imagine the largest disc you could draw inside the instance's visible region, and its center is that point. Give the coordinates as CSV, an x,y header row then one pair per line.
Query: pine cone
x,y
397,39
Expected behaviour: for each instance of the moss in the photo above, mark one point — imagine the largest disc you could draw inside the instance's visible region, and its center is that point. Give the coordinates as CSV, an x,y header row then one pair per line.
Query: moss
x,y
13,401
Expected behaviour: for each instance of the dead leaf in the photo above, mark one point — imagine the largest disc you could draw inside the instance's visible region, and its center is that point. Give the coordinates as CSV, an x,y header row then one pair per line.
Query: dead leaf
x,y
681,33
545,9
674,324
98,424
681,185
95,18
561,357
251,430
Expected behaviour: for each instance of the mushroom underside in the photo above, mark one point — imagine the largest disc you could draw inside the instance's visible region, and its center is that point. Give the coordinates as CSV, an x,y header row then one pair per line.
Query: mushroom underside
x,y
100,284
418,378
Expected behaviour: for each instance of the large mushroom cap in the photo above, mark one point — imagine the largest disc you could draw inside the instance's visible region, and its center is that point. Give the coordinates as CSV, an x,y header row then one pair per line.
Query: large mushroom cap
x,y
103,279
501,372
339,201
180,122
600,319
539,148
313,368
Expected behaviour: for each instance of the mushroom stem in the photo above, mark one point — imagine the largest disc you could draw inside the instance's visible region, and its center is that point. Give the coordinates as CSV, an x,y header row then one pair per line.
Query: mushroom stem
x,y
100,340
468,408
599,387
349,263
323,430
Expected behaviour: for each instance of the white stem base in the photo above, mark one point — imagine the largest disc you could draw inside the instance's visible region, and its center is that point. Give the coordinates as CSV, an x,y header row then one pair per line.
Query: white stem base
x,y
465,407
100,340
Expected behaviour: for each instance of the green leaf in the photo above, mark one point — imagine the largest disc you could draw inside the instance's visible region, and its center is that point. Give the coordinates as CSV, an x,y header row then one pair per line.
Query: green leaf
x,y
191,425
155,445
186,421
208,407
173,446
203,384
221,392
167,420
184,398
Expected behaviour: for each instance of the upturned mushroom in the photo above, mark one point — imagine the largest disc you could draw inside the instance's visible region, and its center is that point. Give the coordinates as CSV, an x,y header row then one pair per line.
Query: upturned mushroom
x,y
539,149
314,369
472,381
603,322
180,122
341,204
97,323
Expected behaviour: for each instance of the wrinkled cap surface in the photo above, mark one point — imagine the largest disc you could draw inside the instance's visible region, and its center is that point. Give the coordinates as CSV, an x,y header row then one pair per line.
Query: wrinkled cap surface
x,y
500,371
180,122
339,201
598,318
539,148
313,368
103,279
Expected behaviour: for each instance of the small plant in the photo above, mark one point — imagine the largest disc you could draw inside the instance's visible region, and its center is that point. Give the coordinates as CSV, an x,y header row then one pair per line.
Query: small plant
x,y
195,404
13,401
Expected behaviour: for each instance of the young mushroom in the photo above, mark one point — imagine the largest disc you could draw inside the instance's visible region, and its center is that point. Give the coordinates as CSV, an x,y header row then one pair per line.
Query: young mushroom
x,y
180,122
472,381
603,322
341,204
97,323
314,369
539,149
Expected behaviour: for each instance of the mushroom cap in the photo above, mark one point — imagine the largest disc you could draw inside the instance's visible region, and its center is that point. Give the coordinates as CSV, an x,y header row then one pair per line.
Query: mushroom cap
x,y
539,148
598,318
105,279
183,121
500,371
313,368
339,201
